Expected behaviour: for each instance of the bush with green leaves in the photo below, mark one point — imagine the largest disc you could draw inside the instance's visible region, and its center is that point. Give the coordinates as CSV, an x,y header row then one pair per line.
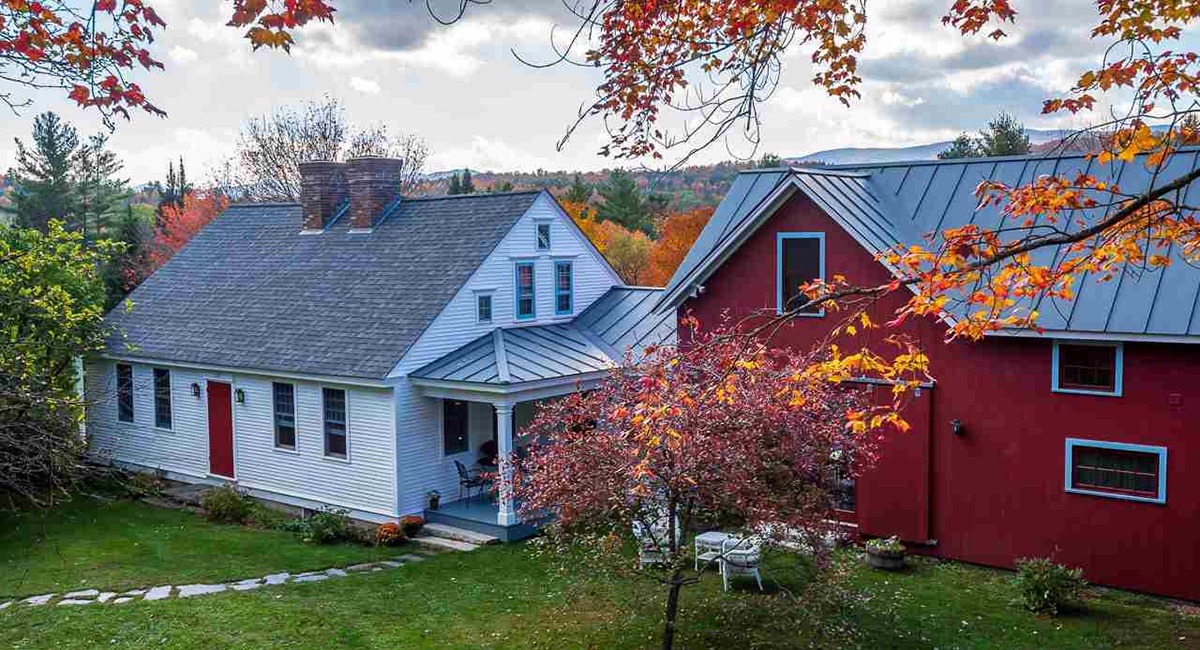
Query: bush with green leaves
x,y
328,525
1046,587
886,545
226,504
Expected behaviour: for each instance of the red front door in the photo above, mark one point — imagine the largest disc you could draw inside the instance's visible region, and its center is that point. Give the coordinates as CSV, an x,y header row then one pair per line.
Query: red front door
x,y
220,429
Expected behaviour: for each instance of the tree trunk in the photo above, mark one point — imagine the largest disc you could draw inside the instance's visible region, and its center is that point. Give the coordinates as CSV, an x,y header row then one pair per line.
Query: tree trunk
x,y
668,640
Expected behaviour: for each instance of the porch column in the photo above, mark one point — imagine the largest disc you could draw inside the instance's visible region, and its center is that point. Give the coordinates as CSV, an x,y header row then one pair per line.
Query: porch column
x,y
507,515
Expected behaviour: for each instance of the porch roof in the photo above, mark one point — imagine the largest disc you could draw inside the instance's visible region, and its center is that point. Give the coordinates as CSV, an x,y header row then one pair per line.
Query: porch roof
x,y
620,321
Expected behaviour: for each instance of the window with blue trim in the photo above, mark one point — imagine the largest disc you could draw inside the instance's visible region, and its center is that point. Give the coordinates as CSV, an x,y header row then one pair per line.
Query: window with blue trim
x,y
543,236
564,301
1117,470
524,296
800,259
1093,368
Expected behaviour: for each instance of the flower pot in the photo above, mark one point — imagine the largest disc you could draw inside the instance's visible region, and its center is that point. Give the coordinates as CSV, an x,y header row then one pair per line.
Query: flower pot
x,y
885,561
434,499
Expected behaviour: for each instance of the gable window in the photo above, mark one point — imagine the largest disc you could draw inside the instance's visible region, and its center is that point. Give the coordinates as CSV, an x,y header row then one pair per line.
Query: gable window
x,y
1117,470
162,398
563,288
483,308
1093,368
285,415
124,392
454,427
799,259
543,236
334,406
526,306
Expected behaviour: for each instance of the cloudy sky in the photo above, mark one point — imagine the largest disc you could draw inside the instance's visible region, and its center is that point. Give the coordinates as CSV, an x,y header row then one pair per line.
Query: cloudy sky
x,y
461,88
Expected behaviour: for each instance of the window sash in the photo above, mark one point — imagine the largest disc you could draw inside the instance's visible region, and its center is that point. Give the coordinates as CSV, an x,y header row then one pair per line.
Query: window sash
x,y
333,401
563,288
543,236
1087,367
483,308
162,398
525,285
124,392
1117,470
456,428
284,399
800,261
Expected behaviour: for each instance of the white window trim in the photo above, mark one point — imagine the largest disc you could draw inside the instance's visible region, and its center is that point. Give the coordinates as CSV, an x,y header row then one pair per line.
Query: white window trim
x,y
1072,443
295,419
479,293
1118,369
324,443
132,392
537,240
154,397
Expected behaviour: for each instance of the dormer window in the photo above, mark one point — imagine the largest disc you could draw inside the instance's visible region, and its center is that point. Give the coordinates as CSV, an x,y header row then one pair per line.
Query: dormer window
x,y
523,295
543,236
1088,368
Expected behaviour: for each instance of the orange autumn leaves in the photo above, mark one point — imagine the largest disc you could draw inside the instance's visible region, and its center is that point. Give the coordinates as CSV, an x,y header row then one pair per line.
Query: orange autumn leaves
x,y
638,259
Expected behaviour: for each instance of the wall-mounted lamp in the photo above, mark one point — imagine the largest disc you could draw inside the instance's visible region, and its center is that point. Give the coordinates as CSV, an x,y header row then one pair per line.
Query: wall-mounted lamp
x,y
195,389
956,426
240,396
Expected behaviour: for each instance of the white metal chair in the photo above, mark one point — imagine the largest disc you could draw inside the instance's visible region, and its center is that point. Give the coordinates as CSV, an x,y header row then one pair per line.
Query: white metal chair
x,y
740,558
652,541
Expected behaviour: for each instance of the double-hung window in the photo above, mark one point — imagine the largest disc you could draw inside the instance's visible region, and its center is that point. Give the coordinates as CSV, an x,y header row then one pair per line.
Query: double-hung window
x,y
455,420
799,259
285,415
1092,368
483,307
1117,470
564,301
124,392
543,236
524,296
334,406
162,398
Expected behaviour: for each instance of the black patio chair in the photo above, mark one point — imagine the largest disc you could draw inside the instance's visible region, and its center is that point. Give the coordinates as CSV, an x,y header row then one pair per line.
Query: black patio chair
x,y
468,481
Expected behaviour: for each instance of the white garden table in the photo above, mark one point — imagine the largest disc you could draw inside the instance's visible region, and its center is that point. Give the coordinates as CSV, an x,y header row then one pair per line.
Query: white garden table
x,y
709,546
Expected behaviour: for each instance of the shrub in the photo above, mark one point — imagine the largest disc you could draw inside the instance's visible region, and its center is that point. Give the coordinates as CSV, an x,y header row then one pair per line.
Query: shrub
x,y
388,534
226,504
1046,587
886,546
328,525
412,524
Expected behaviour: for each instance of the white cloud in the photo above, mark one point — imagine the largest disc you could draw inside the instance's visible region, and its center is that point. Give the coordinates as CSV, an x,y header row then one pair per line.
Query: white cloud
x,y
368,86
897,98
182,55
488,154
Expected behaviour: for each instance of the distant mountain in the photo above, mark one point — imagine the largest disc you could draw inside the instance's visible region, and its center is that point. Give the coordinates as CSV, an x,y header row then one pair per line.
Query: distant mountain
x,y
856,156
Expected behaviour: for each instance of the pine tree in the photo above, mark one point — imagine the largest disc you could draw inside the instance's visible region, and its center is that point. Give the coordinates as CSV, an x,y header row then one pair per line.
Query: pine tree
x,y
1004,136
101,194
467,186
174,191
455,185
768,161
506,186
122,271
579,192
962,147
44,188
623,204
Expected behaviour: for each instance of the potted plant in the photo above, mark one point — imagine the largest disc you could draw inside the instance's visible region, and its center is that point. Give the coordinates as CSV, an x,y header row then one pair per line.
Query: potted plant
x,y
411,524
886,554
434,497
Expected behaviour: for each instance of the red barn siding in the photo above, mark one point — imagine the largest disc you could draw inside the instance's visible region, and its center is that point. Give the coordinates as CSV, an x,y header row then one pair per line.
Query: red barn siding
x,y
995,493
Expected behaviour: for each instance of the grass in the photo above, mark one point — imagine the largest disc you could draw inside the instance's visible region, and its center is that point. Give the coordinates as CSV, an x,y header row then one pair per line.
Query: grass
x,y
504,597
126,544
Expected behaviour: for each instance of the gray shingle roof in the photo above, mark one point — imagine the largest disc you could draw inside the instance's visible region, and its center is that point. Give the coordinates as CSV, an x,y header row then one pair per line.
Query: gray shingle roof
x,y
249,291
885,204
619,321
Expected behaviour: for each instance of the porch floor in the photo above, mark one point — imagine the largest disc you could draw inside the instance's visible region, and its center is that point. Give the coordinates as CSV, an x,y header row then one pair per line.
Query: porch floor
x,y
479,514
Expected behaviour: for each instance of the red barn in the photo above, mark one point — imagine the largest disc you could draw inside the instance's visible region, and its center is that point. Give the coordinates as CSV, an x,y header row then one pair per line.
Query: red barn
x,y
1082,443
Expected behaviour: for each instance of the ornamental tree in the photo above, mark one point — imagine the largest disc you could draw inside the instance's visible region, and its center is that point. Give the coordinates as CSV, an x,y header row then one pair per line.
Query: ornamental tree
x,y
725,431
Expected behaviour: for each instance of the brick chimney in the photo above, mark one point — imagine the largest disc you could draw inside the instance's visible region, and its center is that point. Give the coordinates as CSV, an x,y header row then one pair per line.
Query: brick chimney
x,y
322,192
374,185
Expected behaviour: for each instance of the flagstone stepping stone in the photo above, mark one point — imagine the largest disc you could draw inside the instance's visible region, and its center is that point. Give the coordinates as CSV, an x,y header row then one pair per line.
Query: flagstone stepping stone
x,y
134,592
86,593
310,577
411,558
38,600
335,573
187,591
122,600
105,596
362,567
277,578
5,605
159,593
390,563
248,584
75,601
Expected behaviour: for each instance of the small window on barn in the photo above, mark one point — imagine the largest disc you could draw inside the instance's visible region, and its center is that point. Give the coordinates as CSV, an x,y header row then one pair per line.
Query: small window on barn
x,y
800,259
285,415
543,236
124,392
1117,470
524,296
334,405
162,398
454,427
1092,368
563,288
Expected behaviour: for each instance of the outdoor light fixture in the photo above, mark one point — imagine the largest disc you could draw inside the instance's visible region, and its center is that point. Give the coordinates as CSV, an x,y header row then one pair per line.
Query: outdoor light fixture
x,y
195,389
240,396
956,427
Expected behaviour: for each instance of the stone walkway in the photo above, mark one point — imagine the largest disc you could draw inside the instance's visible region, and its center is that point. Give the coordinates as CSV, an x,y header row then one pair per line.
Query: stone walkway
x,y
165,592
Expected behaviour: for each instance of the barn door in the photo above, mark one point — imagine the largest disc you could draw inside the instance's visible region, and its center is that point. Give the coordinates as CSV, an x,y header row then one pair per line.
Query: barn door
x,y
220,429
893,497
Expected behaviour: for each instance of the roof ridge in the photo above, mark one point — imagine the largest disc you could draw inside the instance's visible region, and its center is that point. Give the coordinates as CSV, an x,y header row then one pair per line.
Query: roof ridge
x,y
1044,156
473,195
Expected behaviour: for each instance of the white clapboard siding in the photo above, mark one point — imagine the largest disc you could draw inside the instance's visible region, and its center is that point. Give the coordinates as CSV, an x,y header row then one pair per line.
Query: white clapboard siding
x,y
423,466
364,483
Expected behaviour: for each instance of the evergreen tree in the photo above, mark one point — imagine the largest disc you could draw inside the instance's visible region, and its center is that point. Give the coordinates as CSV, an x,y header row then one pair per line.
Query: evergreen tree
x,y
579,192
962,147
769,160
172,193
1004,136
100,193
506,186
117,273
467,187
455,185
44,188
623,203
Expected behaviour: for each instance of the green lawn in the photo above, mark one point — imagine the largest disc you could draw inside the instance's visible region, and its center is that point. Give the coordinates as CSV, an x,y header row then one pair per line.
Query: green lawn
x,y
502,597
125,544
